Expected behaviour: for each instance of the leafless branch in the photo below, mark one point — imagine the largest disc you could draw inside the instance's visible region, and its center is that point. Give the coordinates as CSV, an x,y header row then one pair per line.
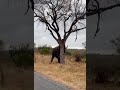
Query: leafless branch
x,y
30,4
52,12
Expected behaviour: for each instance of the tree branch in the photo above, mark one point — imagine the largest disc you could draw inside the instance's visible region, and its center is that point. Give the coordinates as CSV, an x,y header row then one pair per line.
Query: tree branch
x,y
93,12
32,5
78,29
52,34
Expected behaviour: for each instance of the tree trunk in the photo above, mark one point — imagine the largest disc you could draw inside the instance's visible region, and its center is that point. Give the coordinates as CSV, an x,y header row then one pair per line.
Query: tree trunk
x,y
62,61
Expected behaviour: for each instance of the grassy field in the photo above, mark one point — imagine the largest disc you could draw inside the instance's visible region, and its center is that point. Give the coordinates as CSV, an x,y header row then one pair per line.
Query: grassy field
x,y
72,74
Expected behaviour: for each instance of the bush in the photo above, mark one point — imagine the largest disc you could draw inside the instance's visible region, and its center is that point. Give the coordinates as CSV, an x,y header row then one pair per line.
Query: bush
x,y
77,57
22,55
44,49
23,59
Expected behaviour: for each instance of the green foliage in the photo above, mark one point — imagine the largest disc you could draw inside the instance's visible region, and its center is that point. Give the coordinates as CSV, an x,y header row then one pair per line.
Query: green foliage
x,y
45,49
23,59
79,55
22,55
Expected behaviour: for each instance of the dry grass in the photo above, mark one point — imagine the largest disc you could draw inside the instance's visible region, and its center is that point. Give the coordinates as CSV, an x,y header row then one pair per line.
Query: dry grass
x,y
72,74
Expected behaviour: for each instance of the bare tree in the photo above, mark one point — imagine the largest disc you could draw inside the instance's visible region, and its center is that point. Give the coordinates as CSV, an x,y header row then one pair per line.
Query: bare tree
x,y
93,7
54,13
30,4
96,7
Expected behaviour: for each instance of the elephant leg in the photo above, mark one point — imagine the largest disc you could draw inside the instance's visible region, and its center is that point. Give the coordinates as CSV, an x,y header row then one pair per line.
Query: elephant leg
x,y
59,60
52,59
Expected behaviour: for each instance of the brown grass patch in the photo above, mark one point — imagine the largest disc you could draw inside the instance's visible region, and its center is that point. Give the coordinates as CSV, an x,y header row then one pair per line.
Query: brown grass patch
x,y
72,74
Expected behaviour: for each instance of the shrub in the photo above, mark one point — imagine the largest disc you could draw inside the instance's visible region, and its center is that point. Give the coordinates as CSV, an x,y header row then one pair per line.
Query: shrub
x,y
22,55
23,59
77,57
44,49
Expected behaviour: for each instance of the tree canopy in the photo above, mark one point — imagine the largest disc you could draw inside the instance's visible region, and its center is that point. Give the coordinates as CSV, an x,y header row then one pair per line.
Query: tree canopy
x,y
93,7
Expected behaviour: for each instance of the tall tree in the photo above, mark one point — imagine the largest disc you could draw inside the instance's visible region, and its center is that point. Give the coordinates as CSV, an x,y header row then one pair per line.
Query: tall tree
x,y
57,13
93,7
